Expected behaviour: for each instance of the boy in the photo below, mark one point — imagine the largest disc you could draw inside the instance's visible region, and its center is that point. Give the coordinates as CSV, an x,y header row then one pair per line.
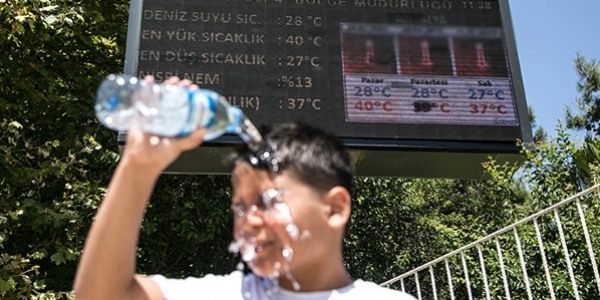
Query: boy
x,y
291,203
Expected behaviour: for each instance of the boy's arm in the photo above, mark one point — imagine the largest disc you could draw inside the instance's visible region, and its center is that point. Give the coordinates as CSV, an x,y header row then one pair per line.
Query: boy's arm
x,y
107,266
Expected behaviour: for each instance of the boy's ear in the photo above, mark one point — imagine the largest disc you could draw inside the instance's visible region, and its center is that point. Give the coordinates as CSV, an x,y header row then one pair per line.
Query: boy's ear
x,y
340,204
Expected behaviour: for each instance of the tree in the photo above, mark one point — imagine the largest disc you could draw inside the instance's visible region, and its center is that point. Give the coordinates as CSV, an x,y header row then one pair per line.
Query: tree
x,y
588,103
539,134
53,169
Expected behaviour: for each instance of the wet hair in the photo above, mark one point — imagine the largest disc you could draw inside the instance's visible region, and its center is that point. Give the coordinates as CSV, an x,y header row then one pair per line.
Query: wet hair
x,y
314,157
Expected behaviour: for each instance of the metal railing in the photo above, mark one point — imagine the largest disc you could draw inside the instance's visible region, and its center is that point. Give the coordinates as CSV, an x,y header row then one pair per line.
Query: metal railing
x,y
536,270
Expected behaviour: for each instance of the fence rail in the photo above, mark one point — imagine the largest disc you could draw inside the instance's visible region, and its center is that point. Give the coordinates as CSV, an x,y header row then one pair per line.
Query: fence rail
x,y
493,252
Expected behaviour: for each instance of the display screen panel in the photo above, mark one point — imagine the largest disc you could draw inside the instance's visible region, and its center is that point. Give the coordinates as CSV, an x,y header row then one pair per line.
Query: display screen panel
x,y
386,70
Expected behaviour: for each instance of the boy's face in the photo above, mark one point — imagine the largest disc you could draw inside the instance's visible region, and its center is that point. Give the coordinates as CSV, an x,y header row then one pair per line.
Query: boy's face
x,y
269,233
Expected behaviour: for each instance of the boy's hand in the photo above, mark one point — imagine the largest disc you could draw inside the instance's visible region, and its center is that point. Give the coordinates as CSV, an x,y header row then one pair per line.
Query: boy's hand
x,y
152,154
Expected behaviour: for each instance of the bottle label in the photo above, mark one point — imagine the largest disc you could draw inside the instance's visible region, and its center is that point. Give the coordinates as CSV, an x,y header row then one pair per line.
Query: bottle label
x,y
202,111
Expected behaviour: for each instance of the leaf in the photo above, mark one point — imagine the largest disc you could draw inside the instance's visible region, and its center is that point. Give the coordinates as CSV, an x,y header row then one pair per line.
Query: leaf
x,y
50,20
58,258
49,8
4,286
39,284
16,125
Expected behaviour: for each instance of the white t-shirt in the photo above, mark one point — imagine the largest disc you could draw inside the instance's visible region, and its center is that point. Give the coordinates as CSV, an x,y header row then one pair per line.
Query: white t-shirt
x,y
249,287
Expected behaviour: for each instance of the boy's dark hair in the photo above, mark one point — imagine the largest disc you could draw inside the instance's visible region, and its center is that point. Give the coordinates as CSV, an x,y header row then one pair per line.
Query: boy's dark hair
x,y
316,158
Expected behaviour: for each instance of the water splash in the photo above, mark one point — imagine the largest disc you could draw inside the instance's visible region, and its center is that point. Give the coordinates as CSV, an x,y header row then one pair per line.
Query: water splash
x,y
288,253
249,134
274,207
248,249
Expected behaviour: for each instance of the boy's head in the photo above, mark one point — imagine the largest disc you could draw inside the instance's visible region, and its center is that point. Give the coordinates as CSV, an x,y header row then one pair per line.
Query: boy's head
x,y
305,176
313,156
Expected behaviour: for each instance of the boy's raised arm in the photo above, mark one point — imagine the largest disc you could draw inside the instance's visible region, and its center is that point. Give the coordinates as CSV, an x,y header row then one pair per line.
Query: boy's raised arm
x,y
107,266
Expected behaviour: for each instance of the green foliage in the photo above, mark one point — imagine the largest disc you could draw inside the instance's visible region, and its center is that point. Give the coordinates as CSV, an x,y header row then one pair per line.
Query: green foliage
x,y
47,203
553,171
540,134
187,228
588,103
399,224
53,170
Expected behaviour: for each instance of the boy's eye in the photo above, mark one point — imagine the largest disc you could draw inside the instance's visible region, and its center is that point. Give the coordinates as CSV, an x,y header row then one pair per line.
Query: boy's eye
x,y
238,209
270,197
261,203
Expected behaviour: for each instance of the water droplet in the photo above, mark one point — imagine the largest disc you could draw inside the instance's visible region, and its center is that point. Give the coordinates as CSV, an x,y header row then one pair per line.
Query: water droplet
x,y
292,231
234,246
305,235
249,253
293,281
288,253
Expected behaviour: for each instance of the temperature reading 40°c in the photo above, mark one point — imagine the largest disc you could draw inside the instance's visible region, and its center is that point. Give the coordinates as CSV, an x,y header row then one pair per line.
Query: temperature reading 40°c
x,y
373,105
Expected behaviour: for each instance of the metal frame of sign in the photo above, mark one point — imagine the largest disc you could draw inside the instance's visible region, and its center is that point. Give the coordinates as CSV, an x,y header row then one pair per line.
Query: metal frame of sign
x,y
386,106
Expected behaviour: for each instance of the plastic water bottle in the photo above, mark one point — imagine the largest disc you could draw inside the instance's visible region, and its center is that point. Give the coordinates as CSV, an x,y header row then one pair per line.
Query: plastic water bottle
x,y
125,102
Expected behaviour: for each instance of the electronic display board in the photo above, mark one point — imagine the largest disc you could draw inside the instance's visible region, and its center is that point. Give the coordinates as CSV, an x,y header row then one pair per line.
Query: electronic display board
x,y
380,74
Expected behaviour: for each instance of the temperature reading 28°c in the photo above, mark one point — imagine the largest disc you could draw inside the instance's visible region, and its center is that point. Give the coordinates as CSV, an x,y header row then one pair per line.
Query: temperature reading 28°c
x,y
428,93
368,91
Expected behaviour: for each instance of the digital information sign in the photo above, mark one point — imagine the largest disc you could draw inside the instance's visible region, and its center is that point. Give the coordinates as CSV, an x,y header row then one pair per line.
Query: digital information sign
x,y
398,80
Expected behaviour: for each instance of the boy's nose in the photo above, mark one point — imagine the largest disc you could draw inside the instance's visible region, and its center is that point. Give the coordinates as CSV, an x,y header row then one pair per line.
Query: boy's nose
x,y
254,218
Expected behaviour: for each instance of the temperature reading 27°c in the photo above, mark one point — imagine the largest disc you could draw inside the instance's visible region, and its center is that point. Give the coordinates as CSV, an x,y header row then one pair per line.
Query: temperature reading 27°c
x,y
299,60
368,91
480,94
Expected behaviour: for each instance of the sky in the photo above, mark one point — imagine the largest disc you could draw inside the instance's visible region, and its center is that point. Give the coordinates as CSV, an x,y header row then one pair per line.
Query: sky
x,y
548,34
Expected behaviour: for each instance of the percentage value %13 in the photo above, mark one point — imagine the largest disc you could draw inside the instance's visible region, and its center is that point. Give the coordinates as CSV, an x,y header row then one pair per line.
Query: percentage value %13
x,y
295,81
